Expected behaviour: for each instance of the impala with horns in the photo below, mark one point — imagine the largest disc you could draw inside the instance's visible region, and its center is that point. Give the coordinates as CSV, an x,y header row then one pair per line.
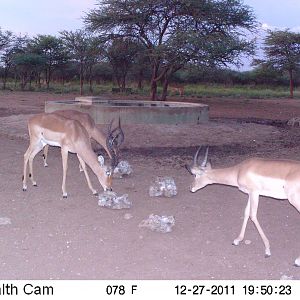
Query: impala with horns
x,y
71,136
89,124
255,176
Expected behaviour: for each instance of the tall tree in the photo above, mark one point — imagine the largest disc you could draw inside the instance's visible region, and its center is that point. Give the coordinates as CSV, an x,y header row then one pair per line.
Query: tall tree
x,y
15,46
282,50
82,48
5,38
121,53
176,32
28,64
52,50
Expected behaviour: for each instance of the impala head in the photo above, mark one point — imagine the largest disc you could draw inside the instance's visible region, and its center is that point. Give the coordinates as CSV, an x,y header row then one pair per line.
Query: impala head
x,y
117,137
112,144
108,174
199,171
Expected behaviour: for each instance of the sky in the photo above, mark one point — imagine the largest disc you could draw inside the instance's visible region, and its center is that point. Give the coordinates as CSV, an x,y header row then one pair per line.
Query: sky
x,y
34,17
50,17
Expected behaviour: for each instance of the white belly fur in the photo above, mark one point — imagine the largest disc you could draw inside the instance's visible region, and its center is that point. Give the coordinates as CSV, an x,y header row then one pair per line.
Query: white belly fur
x,y
269,187
47,142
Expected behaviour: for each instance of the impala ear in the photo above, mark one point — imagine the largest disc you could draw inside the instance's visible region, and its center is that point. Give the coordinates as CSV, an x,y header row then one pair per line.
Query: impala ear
x,y
208,165
101,160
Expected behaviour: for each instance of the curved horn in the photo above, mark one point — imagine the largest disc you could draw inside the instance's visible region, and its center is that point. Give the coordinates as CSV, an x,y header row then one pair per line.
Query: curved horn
x,y
194,163
196,156
120,134
204,162
110,141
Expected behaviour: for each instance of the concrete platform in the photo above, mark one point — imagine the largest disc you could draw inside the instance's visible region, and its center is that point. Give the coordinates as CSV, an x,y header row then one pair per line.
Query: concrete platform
x,y
134,111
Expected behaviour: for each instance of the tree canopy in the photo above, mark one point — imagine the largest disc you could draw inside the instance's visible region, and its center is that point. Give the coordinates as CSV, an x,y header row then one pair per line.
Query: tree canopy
x,y
176,32
282,51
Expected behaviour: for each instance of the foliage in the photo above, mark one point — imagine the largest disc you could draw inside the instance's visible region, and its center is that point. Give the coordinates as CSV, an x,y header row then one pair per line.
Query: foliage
x,y
121,53
282,50
176,32
5,38
53,52
83,48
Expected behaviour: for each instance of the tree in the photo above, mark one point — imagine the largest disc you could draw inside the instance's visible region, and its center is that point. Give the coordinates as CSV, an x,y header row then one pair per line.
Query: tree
x,y
52,50
121,53
5,38
82,48
28,64
16,45
176,32
93,56
282,50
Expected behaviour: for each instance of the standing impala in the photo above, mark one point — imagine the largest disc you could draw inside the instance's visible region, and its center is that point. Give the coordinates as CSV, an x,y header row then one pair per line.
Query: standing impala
x,y
255,176
89,124
71,136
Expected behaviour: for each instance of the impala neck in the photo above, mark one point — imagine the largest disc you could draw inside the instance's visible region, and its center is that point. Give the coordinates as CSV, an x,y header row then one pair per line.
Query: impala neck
x,y
99,137
226,176
91,160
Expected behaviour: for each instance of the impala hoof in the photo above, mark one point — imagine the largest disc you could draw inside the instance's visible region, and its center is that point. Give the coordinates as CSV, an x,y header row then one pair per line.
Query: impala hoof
x,y
267,254
297,262
95,194
235,242
24,189
34,184
65,196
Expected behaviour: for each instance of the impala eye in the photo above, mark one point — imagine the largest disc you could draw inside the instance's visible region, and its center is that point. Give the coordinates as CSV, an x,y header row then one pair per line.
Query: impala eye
x,y
108,172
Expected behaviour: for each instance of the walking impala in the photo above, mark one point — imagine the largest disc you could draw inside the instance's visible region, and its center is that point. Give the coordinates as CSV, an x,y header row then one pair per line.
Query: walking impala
x,y
89,124
255,176
71,136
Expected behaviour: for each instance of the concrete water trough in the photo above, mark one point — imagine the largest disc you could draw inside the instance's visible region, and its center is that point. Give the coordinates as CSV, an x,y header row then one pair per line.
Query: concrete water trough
x,y
134,111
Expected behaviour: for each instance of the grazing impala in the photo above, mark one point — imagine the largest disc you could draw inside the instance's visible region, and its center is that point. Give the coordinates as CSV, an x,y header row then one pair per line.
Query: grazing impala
x,y
176,88
89,124
255,176
71,136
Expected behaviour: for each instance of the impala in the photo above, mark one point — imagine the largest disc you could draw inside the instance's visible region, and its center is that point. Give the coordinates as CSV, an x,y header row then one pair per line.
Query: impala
x,y
89,124
71,136
176,88
255,176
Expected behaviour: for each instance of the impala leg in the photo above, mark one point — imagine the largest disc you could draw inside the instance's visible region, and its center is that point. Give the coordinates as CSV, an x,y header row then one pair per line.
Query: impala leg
x,y
294,199
84,169
246,217
254,200
45,155
38,147
26,157
64,156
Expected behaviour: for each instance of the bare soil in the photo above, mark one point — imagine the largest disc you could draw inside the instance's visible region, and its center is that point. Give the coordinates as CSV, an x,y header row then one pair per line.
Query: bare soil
x,y
54,238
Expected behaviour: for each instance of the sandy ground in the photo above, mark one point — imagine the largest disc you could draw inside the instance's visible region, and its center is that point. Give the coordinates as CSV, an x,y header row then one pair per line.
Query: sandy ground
x,y
49,237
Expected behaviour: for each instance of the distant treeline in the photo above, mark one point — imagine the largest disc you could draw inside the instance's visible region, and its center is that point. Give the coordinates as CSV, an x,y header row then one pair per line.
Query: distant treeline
x,y
152,43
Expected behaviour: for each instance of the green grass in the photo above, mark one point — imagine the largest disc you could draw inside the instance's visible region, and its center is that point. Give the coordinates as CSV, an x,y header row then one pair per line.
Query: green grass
x,y
249,92
191,90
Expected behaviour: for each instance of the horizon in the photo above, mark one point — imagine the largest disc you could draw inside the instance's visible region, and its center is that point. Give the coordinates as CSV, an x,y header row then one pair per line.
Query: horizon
x,y
33,17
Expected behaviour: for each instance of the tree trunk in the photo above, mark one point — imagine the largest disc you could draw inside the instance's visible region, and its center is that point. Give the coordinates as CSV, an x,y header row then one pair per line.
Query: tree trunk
x,y
165,88
81,78
90,79
5,79
140,79
154,81
291,84
39,80
123,83
47,78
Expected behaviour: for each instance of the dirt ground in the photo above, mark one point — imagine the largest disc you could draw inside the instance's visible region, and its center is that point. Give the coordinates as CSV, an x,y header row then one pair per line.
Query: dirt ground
x,y
48,237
